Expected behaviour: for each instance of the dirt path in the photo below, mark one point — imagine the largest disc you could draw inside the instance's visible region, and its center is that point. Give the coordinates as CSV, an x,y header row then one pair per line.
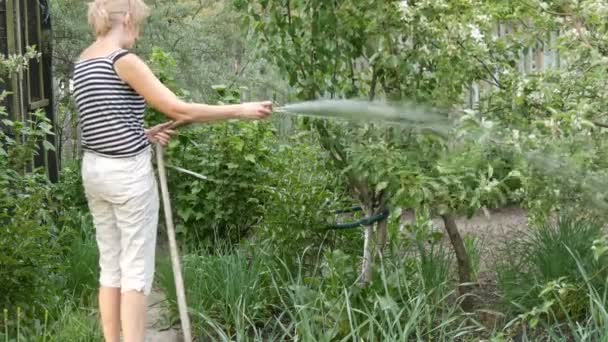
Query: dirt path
x,y
158,328
490,232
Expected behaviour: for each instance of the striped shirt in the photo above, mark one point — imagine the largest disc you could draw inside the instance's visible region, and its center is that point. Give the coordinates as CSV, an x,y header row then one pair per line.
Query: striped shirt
x,y
111,112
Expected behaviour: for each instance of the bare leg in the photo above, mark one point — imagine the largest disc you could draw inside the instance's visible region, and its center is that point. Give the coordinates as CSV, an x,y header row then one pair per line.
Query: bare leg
x,y
109,307
133,313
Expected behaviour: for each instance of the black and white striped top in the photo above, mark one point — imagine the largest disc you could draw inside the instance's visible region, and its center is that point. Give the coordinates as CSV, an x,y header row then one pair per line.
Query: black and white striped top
x,y
111,112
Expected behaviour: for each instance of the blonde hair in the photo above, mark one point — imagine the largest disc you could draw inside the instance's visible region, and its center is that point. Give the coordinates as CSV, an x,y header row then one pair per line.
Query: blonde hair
x,y
104,14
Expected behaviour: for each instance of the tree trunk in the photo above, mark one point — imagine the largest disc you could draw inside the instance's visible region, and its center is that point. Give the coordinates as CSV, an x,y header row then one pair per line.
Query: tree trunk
x,y
464,263
366,265
382,236
407,217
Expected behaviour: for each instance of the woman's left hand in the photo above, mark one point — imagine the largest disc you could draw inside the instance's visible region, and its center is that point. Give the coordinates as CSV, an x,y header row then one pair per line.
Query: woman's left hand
x,y
161,134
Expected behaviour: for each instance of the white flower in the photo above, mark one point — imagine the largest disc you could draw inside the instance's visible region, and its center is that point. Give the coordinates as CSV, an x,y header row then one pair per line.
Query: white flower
x,y
404,7
515,134
476,33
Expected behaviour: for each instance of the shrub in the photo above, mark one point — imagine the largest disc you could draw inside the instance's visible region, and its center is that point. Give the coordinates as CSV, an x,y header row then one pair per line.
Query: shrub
x,y
548,261
233,157
227,206
29,248
299,211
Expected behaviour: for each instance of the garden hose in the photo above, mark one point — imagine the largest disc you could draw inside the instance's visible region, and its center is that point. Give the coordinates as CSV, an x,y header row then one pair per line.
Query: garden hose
x,y
368,221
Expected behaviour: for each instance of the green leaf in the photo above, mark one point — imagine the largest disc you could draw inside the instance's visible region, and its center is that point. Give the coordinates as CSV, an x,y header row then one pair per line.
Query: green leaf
x,y
250,158
534,322
184,213
387,303
48,146
381,186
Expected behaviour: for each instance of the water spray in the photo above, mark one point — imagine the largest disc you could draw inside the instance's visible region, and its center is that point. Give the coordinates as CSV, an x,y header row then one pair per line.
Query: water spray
x,y
405,114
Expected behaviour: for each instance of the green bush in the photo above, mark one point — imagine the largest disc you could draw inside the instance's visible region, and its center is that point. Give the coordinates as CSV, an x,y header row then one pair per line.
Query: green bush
x,y
78,275
227,207
48,255
229,202
300,210
552,257
30,250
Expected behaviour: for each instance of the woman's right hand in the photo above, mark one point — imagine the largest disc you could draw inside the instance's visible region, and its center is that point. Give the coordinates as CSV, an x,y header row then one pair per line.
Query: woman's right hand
x,y
256,110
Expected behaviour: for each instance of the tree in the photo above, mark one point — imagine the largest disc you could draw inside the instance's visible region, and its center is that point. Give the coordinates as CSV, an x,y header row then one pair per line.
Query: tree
x,y
373,49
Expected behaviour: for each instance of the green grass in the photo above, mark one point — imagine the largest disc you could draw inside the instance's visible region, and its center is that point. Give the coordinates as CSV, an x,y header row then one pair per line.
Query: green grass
x,y
551,253
73,323
231,289
553,285
81,274
261,297
396,307
554,321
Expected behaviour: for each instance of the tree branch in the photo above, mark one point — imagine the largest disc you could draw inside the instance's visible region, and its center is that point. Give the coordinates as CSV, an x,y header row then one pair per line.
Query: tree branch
x,y
599,124
484,65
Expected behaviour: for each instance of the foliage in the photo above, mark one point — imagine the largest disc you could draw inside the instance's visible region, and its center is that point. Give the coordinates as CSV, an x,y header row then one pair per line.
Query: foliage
x,y
234,157
29,252
164,66
232,289
268,299
73,225
419,51
80,275
41,261
300,210
545,268
47,250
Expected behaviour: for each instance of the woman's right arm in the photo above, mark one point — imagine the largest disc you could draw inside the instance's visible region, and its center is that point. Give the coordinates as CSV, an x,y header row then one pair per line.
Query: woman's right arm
x,y
138,75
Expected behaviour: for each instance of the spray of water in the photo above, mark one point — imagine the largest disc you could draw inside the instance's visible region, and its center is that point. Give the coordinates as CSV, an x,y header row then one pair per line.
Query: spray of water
x,y
423,117
412,115
593,186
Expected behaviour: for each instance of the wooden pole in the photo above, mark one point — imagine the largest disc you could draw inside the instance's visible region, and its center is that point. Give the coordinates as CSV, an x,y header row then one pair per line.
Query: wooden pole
x,y
177,270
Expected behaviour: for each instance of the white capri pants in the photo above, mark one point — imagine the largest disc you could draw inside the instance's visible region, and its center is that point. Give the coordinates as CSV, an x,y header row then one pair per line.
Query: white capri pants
x,y
123,198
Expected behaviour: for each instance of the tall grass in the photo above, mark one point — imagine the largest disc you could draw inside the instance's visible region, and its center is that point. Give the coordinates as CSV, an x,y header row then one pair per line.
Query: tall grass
x,y
542,256
73,323
231,289
555,285
556,323
397,307
265,298
80,273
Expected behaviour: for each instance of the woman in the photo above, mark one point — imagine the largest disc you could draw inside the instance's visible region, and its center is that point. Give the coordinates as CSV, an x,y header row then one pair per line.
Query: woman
x,y
112,87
